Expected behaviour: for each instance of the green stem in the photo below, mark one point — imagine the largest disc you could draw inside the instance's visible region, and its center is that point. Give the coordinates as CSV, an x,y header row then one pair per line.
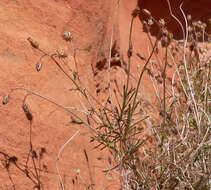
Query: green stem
x,y
141,75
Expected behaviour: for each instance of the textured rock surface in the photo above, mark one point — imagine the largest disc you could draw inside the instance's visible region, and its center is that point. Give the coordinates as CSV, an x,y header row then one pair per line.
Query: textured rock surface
x,y
90,23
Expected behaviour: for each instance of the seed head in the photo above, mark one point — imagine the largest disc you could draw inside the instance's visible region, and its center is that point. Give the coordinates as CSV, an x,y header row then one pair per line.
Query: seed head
x,y
190,29
61,53
13,159
162,22
135,12
34,154
67,36
129,53
6,99
150,22
27,112
38,66
33,43
42,151
164,41
189,18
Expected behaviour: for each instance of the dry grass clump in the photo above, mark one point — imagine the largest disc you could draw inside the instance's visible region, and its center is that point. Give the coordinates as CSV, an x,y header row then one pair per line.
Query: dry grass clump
x,y
180,156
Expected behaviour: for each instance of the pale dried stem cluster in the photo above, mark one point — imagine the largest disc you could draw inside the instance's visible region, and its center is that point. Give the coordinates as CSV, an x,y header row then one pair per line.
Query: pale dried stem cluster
x,y
179,158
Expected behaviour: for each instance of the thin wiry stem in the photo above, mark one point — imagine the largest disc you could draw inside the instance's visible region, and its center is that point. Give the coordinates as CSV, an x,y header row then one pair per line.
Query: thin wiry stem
x,y
154,82
129,57
58,105
186,70
109,58
151,43
185,36
183,31
58,157
164,86
141,75
82,90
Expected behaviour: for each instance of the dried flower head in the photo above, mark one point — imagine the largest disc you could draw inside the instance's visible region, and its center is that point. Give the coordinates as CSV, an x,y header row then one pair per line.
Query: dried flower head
x,y
198,34
162,22
38,66
34,154
204,25
150,22
42,152
6,99
150,73
27,112
13,159
129,53
144,22
135,12
170,36
146,26
164,41
189,18
194,23
61,53
25,108
33,43
190,29
67,36
199,22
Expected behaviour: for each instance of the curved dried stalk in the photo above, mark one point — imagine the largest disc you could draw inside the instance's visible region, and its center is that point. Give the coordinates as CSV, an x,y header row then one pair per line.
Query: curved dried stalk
x,y
58,157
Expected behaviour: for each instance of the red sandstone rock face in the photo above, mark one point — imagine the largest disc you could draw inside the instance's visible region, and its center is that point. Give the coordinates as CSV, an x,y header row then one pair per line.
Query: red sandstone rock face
x,y
90,24
45,21
199,10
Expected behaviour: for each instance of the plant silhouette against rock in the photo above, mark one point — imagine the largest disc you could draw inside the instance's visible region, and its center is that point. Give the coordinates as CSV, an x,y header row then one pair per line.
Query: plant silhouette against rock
x,y
180,155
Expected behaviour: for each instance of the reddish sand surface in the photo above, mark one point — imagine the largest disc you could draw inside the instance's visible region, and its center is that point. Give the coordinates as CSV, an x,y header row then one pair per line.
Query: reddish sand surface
x,y
90,23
